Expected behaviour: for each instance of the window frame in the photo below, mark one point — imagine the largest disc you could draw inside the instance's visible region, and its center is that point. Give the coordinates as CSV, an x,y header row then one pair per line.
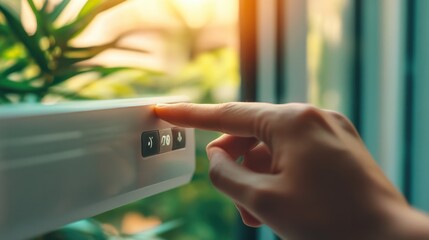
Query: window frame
x,y
418,85
279,35
389,80
382,113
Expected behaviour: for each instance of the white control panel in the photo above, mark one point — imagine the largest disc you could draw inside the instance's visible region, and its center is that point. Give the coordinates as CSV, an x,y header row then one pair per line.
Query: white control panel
x,y
61,163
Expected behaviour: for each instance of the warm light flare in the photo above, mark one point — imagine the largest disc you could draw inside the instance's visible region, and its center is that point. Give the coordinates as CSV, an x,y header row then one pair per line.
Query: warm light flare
x,y
134,222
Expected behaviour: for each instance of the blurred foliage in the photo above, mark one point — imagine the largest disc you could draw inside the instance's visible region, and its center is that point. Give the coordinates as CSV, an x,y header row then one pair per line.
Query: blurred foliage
x,y
36,64
211,76
330,50
81,230
43,66
90,229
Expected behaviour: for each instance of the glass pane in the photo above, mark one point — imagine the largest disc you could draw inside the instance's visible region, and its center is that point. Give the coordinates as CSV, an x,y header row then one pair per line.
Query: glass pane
x,y
420,116
121,49
330,49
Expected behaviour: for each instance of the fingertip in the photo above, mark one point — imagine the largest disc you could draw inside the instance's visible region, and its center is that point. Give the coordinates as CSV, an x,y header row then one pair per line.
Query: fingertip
x,y
248,218
218,158
161,108
220,168
176,113
251,222
212,151
171,112
162,105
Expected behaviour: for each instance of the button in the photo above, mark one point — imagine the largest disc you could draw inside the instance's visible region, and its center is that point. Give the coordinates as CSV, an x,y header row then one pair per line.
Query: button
x,y
150,143
165,140
179,138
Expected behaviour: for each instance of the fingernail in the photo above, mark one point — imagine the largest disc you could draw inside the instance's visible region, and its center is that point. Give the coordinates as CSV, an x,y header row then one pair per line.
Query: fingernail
x,y
214,153
161,105
209,152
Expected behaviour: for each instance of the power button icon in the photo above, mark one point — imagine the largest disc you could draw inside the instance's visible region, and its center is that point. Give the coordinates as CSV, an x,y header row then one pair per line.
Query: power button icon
x,y
150,143
179,138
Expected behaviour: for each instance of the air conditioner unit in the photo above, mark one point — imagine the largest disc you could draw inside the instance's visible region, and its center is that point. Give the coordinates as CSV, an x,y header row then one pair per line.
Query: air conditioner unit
x,y
64,162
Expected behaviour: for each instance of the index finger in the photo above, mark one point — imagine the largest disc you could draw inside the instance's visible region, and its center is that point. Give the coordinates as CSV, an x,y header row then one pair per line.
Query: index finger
x,y
240,119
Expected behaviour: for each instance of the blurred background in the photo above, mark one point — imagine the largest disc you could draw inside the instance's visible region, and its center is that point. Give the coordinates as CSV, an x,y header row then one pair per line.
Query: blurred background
x,y
363,58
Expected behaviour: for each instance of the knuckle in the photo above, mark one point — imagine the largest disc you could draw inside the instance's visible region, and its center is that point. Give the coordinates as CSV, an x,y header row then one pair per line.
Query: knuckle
x,y
305,118
343,119
264,122
225,109
268,119
344,122
308,114
337,115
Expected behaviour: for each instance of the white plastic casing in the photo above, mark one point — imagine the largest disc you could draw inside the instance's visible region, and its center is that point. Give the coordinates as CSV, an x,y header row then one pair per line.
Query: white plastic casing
x,y
61,163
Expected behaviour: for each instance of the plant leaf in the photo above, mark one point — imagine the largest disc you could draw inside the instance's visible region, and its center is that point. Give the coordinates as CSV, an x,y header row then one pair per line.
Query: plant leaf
x,y
44,25
102,71
89,11
73,55
17,87
45,6
42,29
19,65
3,29
83,229
4,99
72,95
89,6
34,9
58,9
30,43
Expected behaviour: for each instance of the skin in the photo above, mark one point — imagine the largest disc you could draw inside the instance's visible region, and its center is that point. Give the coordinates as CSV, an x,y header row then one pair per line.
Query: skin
x,y
306,172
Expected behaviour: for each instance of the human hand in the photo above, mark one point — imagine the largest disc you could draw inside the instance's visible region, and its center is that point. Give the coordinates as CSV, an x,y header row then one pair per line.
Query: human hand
x,y
306,173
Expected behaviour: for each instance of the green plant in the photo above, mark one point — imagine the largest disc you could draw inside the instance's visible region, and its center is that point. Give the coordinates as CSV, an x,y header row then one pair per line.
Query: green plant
x,y
89,229
34,65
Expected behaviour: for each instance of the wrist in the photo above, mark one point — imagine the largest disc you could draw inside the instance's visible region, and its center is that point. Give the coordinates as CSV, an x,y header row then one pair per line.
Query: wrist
x,y
406,223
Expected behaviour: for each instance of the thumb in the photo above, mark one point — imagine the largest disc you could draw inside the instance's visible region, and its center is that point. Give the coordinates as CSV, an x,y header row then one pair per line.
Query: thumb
x,y
248,218
231,178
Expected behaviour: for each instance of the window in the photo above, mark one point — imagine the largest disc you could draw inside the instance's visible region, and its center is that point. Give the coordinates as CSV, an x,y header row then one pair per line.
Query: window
x,y
330,51
366,59
418,87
